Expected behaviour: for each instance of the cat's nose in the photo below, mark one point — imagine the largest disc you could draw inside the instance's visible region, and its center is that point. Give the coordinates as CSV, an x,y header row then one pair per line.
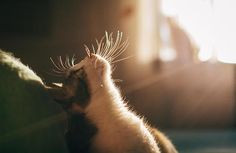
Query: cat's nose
x,y
93,56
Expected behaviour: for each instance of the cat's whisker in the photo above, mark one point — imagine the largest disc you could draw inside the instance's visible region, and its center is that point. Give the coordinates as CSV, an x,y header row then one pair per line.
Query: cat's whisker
x,y
59,64
118,54
109,43
99,45
67,62
117,80
61,69
120,50
109,59
122,59
59,72
113,68
109,48
114,52
101,49
73,60
114,46
87,51
106,46
53,74
93,49
54,64
60,60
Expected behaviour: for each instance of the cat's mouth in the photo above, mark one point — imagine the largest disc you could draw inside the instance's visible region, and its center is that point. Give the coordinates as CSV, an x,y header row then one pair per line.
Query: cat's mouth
x,y
73,90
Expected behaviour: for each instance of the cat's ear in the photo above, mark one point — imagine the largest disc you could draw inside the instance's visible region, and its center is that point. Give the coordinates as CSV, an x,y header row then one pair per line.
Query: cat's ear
x,y
57,92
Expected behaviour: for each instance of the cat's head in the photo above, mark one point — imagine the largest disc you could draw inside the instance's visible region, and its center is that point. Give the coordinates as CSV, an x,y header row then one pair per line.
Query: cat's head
x,y
84,79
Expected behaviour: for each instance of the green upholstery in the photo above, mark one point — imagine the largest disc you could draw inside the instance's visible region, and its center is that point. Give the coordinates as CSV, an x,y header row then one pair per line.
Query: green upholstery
x,y
30,122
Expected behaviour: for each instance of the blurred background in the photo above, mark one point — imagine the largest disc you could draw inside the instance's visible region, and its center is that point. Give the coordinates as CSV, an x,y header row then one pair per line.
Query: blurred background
x,y
181,76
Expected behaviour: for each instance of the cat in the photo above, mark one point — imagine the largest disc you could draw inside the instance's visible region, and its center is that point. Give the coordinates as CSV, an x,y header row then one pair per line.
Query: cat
x,y
99,120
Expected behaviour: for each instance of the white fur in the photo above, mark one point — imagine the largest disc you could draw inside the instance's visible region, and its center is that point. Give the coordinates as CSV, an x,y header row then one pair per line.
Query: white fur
x,y
119,130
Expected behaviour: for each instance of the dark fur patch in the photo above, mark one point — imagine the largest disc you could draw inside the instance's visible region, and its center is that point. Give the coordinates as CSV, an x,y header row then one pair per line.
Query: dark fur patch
x,y
80,133
80,130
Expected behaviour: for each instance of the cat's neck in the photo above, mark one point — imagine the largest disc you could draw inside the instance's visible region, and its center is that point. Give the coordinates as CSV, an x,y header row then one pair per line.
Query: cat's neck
x,y
115,122
106,104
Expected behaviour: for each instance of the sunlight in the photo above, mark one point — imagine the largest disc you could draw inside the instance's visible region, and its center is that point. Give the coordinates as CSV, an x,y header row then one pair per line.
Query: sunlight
x,y
225,28
148,31
211,23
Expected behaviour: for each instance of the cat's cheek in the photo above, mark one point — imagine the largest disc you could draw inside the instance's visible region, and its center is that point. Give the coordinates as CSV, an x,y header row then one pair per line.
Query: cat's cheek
x,y
75,108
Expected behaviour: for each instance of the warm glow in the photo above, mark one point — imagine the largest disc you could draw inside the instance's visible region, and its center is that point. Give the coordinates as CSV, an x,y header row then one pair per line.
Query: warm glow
x,y
205,53
225,28
147,31
212,24
167,54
